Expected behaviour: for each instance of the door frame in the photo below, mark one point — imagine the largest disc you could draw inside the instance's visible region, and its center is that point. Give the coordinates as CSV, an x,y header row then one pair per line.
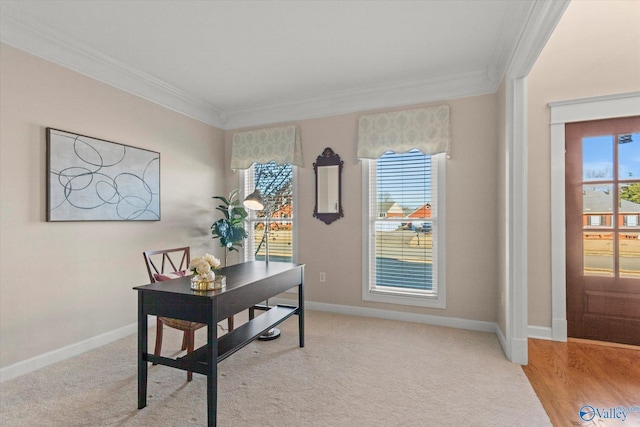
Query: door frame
x,y
543,18
562,112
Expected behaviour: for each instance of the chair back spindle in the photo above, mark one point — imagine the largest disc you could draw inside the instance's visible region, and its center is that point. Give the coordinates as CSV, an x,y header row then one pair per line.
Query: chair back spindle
x,y
168,261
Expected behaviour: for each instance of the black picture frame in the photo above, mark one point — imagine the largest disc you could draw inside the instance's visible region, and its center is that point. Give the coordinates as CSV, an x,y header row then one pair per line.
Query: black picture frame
x,y
91,179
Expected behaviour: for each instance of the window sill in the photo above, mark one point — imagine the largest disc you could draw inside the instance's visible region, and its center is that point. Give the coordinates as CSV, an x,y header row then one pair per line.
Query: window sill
x,y
404,299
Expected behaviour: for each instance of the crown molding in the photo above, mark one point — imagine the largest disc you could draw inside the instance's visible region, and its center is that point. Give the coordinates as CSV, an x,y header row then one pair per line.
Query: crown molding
x,y
543,19
105,69
402,93
510,29
71,55
416,91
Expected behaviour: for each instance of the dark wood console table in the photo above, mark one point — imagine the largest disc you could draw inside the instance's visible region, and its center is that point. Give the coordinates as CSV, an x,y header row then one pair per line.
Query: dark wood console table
x,y
247,285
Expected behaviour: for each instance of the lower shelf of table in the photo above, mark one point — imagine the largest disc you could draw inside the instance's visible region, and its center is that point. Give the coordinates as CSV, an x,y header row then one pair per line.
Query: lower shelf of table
x,y
230,342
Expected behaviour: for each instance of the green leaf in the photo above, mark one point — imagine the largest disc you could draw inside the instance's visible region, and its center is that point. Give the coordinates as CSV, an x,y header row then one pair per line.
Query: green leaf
x,y
230,229
225,201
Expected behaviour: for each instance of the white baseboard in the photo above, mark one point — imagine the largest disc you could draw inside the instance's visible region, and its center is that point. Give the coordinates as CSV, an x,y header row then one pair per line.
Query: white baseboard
x,y
58,355
556,333
559,330
452,322
503,342
539,332
516,350
46,359
519,351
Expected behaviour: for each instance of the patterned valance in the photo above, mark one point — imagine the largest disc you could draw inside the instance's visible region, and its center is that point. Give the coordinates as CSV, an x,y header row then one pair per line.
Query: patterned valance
x,y
427,129
281,144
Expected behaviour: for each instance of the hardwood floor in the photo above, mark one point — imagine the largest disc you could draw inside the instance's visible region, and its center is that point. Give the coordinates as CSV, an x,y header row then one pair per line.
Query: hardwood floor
x,y
602,381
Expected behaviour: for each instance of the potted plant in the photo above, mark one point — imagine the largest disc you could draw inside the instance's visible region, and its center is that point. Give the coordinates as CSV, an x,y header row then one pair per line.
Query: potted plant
x,y
230,229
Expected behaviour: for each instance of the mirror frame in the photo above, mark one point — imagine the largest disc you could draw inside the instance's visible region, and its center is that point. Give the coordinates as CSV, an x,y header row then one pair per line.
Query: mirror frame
x,y
329,158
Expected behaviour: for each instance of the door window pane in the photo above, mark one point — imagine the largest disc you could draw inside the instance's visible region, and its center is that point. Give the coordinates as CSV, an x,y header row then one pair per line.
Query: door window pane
x,y
597,158
611,204
597,253
597,205
629,156
629,254
629,204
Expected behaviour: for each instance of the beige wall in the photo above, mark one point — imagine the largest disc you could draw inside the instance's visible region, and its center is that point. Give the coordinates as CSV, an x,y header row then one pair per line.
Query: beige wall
x,y
62,283
472,211
594,51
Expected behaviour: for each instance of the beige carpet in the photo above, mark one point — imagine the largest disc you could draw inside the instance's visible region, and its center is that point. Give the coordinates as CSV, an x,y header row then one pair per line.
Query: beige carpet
x,y
352,371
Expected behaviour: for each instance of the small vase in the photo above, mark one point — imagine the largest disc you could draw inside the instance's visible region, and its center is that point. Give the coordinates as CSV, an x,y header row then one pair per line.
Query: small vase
x,y
208,282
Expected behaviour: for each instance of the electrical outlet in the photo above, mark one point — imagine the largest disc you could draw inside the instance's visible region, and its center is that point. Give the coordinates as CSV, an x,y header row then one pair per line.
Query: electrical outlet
x,y
323,277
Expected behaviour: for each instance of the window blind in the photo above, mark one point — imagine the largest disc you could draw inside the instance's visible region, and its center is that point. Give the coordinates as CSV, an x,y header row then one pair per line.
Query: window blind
x,y
402,221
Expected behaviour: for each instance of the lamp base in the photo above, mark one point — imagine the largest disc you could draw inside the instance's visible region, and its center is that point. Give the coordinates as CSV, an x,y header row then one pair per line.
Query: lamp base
x,y
271,334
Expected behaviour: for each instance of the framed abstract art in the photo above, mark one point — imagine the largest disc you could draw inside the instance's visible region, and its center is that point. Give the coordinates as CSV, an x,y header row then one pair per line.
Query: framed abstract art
x,y
90,179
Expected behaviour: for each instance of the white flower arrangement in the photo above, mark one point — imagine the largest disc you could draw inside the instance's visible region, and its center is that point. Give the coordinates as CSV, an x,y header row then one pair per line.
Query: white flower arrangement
x,y
204,265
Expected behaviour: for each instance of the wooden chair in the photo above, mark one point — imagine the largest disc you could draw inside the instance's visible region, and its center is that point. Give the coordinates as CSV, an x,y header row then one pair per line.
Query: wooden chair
x,y
167,264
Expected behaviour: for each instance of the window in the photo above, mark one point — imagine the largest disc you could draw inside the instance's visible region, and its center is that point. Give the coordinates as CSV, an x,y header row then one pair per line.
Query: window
x,y
595,220
276,183
630,220
610,180
403,229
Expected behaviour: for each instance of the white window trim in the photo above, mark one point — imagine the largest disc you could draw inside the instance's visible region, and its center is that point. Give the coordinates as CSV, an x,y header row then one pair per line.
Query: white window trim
x,y
439,264
294,214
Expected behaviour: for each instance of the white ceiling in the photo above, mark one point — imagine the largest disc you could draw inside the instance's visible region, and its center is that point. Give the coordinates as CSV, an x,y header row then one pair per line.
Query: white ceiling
x,y
244,63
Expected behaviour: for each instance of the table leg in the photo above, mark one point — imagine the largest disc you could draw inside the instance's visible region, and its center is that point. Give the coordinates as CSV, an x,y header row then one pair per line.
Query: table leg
x,y
301,312
142,350
212,373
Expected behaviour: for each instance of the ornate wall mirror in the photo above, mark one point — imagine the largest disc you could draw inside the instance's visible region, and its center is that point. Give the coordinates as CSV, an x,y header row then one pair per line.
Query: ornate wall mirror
x,y
328,168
